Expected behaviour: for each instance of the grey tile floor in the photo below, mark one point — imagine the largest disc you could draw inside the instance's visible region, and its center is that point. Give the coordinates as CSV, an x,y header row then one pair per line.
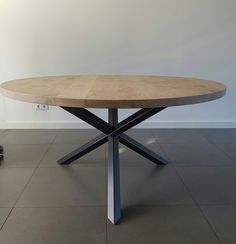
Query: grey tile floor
x,y
190,200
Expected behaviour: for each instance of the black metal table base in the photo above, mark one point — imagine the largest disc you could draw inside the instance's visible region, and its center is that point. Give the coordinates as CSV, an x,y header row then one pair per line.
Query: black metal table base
x,y
113,133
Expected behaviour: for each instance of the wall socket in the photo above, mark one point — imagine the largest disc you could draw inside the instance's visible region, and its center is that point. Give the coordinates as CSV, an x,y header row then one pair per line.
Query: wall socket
x,y
41,107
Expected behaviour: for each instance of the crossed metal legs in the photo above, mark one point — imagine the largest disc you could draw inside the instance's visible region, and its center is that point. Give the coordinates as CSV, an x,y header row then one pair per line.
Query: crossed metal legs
x,y
113,133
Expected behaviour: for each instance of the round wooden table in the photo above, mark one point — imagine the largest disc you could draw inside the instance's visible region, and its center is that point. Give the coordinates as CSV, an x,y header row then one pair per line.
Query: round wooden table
x,y
76,93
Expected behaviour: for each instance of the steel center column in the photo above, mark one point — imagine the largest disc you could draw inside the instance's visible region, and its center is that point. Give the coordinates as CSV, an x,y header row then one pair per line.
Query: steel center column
x,y
113,173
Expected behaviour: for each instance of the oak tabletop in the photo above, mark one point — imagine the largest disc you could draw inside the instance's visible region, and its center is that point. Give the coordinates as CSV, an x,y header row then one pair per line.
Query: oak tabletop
x,y
113,91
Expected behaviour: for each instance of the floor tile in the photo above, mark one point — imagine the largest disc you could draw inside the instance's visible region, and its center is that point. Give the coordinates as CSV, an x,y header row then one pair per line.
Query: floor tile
x,y
157,201
228,148
57,151
12,183
162,224
65,186
55,226
219,135
196,154
223,220
210,185
20,155
28,136
3,215
78,137
178,136
152,185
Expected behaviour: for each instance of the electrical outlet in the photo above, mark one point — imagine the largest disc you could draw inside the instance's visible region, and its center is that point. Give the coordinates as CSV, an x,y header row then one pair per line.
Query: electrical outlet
x,y
41,107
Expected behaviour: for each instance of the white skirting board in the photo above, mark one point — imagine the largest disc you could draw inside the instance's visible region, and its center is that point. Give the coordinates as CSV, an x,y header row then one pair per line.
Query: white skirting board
x,y
145,124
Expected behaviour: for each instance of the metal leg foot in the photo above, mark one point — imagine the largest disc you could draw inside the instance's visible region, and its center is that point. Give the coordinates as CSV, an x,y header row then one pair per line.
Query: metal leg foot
x,y
88,147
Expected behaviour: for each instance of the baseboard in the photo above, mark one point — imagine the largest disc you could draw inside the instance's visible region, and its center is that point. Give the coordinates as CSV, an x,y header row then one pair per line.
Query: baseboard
x,y
145,124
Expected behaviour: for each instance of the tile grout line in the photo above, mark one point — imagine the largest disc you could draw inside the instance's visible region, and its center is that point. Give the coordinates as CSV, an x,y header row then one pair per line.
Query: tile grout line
x,y
6,219
218,147
209,223
199,207
134,206
233,164
193,198
30,178
53,140
170,163
101,206
25,186
14,205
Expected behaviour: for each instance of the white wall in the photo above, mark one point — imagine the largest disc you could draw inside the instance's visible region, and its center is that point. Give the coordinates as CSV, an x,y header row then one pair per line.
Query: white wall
x,y
194,38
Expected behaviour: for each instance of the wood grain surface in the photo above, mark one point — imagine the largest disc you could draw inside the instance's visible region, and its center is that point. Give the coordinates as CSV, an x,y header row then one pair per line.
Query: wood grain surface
x,y
113,91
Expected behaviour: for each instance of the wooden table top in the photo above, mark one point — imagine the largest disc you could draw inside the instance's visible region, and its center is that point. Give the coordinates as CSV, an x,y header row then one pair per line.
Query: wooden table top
x,y
113,91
